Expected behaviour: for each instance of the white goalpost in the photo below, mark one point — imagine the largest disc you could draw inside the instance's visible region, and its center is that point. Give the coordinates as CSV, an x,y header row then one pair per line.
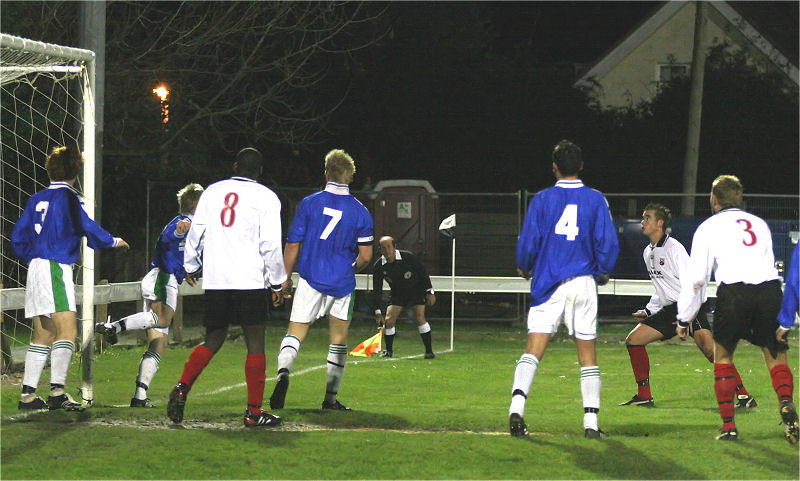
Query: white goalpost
x,y
47,101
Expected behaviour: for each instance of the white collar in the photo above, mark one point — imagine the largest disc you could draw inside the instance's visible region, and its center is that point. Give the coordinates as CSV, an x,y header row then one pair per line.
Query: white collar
x,y
239,177
61,185
570,184
338,189
397,257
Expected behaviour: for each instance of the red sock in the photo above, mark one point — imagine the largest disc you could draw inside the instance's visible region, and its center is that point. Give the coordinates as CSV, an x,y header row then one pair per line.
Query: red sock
x,y
782,382
725,388
740,389
197,361
255,368
640,363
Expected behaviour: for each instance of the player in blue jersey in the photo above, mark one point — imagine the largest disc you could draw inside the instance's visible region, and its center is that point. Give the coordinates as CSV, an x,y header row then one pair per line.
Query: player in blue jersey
x,y
335,231
160,294
789,306
48,238
567,242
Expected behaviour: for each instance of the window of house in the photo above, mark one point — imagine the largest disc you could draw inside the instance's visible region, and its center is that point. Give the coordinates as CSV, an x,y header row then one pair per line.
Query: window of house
x,y
670,71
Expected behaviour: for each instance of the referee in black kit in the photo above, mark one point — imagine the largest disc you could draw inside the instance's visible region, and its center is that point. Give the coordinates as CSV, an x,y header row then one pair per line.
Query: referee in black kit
x,y
411,287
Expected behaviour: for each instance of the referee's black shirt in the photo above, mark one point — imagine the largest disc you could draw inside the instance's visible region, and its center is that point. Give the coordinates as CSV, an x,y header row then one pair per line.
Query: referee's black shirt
x,y
406,275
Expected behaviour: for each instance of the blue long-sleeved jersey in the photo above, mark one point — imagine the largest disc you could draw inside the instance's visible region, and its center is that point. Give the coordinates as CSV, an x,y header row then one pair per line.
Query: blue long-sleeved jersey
x,y
52,225
789,305
568,232
168,255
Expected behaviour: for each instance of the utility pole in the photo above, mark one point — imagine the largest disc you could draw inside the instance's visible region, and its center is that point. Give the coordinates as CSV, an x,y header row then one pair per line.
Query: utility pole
x,y
695,111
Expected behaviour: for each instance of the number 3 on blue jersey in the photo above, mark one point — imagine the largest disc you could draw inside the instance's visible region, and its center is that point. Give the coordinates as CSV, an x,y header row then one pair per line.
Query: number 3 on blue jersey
x,y
336,216
41,207
567,225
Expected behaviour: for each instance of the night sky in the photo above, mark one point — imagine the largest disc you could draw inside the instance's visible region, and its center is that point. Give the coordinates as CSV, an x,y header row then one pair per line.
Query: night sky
x,y
451,87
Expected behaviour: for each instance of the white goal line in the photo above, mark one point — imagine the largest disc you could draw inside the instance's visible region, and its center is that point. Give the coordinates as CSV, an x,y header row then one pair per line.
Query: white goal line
x,y
131,291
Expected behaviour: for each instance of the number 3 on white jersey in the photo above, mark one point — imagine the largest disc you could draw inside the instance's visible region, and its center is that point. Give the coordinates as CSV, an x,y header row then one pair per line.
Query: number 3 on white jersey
x,y
336,216
567,225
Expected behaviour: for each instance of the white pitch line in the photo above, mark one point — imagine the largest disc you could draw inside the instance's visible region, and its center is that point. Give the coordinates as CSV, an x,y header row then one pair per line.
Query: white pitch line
x,y
27,414
311,369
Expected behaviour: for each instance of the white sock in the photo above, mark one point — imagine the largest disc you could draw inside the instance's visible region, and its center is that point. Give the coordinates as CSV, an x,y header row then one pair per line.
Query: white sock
x,y
590,389
137,322
148,367
424,328
60,357
35,361
337,355
523,378
290,346
390,331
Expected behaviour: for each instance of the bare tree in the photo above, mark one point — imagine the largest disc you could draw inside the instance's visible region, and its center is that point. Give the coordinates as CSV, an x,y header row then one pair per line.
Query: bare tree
x,y
254,70
264,71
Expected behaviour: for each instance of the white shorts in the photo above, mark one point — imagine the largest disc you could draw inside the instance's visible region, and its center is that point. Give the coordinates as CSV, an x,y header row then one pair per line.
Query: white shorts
x,y
574,303
310,304
49,288
159,286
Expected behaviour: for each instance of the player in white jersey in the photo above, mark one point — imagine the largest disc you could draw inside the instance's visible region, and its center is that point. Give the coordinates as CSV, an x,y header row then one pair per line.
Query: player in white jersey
x,y
737,247
666,260
235,238
335,231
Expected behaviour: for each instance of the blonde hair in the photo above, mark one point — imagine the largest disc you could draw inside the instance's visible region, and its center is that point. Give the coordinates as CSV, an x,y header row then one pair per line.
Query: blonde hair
x,y
728,191
340,166
188,198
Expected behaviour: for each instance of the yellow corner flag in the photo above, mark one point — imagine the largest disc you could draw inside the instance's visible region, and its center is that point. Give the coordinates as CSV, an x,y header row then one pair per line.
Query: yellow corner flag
x,y
368,347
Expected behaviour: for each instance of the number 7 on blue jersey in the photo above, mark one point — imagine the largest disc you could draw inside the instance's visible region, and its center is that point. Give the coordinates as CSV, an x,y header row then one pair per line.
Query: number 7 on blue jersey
x,y
336,216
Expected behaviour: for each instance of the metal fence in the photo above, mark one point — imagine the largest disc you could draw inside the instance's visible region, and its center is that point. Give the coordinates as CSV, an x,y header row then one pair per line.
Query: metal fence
x,y
488,227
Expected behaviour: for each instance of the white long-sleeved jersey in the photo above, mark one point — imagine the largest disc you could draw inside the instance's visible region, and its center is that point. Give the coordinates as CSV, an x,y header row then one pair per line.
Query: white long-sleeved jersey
x,y
733,244
666,261
236,237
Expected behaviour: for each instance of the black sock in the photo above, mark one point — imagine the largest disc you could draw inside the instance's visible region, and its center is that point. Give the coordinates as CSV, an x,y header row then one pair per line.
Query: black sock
x,y
389,338
426,339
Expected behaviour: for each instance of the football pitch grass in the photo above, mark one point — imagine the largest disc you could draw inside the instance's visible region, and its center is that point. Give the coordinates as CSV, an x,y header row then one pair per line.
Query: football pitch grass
x,y
412,418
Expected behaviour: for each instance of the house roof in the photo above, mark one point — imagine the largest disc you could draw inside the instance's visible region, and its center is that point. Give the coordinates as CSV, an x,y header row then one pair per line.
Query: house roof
x,y
662,15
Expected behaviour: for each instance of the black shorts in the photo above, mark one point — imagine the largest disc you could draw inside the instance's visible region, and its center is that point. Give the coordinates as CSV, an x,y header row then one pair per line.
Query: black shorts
x,y
226,307
750,312
407,301
665,321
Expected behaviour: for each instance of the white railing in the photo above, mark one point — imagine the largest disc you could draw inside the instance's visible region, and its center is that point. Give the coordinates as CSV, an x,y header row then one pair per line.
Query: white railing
x,y
131,291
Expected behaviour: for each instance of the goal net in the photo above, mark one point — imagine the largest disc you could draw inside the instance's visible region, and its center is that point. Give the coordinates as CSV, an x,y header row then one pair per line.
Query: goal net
x,y
47,101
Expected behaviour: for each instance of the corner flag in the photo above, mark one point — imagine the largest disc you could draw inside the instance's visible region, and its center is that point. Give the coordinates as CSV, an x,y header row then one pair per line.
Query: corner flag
x,y
448,225
368,347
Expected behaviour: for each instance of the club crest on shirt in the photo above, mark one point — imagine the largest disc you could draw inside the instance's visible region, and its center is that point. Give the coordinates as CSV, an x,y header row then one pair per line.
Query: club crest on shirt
x,y
661,261
407,275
